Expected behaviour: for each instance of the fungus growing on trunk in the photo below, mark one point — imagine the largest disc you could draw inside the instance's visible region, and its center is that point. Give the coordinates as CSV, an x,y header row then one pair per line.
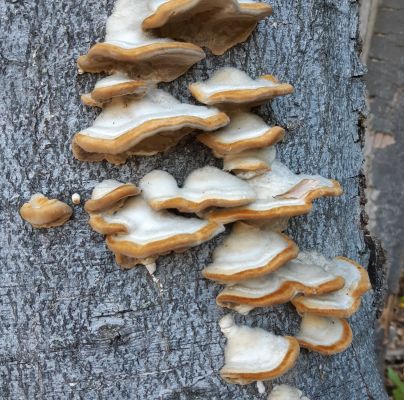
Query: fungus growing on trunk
x,y
232,88
308,274
215,24
140,54
253,354
249,252
42,212
147,126
204,187
286,392
325,335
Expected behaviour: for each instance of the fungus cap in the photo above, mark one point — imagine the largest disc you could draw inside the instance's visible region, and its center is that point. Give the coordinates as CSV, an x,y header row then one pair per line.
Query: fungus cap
x,y
280,193
341,303
232,88
286,392
140,54
325,335
303,275
249,252
204,187
253,354
42,212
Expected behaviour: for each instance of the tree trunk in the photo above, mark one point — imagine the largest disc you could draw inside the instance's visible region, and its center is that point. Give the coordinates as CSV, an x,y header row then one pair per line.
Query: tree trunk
x,y
73,326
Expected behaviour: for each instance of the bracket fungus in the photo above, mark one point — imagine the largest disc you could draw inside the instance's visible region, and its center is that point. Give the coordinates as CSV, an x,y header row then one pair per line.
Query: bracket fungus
x,y
253,354
280,193
109,195
136,232
147,126
286,392
232,88
325,335
116,85
249,252
204,187
140,54
215,24
341,303
42,212
303,275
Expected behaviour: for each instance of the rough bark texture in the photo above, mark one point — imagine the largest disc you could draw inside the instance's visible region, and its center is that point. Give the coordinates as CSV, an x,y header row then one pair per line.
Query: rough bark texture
x,y
73,326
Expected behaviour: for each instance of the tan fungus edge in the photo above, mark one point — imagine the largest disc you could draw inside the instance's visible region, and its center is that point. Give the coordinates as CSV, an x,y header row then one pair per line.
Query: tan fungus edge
x,y
269,138
111,198
163,61
284,294
289,361
99,96
278,261
338,347
134,136
226,216
159,247
42,212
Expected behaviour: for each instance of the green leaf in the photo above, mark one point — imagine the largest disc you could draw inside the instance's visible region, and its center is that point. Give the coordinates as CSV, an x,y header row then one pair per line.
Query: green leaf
x,y
398,394
393,376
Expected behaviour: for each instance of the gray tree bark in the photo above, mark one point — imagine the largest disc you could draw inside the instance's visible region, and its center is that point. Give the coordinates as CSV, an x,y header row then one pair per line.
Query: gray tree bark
x,y
73,326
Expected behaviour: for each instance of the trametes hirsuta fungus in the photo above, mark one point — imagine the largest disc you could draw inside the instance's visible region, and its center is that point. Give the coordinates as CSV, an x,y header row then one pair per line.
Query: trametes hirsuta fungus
x,y
308,274
341,303
136,233
325,335
249,252
42,212
204,187
215,24
140,54
286,392
253,354
116,85
280,193
231,88
147,126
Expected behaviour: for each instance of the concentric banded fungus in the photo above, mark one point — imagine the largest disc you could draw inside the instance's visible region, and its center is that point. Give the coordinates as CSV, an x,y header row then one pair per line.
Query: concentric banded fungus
x,y
250,163
249,252
253,354
230,88
109,195
344,302
138,232
280,193
304,275
42,212
116,85
325,335
142,127
286,392
245,131
216,24
204,187
128,48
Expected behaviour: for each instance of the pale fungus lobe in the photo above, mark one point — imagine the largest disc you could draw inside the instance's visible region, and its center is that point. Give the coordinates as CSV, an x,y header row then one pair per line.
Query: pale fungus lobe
x,y
253,354
308,274
76,199
42,212
249,252
232,88
110,195
280,193
325,335
140,54
147,126
215,24
116,85
286,392
343,302
204,187
136,232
